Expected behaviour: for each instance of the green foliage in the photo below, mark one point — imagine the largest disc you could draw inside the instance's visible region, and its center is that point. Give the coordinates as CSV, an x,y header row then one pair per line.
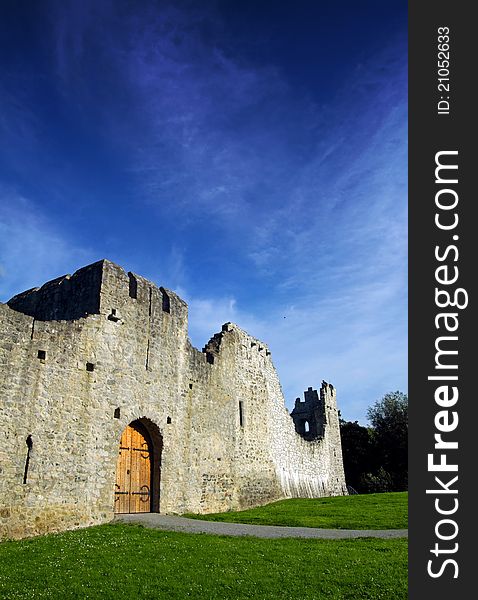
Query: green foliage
x,y
376,457
357,452
368,511
389,419
380,481
123,561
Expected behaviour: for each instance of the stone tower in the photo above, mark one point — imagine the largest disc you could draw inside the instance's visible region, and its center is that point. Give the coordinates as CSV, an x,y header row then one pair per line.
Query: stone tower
x,y
309,415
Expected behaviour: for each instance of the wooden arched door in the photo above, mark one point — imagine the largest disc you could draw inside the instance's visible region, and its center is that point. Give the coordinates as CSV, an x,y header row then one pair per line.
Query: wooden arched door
x,y
133,471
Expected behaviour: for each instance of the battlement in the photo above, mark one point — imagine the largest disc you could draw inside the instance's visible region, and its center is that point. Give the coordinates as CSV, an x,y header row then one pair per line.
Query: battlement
x,y
65,298
102,287
212,349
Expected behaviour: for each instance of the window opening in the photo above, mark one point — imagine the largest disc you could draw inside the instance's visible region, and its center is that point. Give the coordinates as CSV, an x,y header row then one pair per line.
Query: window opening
x,y
133,286
241,413
29,442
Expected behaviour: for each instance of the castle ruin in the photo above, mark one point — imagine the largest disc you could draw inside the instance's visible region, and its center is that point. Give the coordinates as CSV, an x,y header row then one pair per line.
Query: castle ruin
x,y
105,406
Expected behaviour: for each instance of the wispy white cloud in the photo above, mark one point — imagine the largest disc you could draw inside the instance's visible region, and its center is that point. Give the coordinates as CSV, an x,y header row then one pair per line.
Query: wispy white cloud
x,y
340,266
307,198
326,231
32,250
354,341
206,133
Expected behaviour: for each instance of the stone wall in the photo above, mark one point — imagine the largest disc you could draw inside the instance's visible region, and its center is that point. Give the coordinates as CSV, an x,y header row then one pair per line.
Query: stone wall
x,y
65,298
84,356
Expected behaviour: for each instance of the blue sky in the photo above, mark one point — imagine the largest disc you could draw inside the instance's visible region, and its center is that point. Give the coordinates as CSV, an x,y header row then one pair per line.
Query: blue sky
x,y
252,158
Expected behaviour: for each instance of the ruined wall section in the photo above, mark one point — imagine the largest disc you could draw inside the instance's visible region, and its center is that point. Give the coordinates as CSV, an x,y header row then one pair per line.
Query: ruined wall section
x,y
306,468
287,465
236,469
302,468
65,298
269,460
242,373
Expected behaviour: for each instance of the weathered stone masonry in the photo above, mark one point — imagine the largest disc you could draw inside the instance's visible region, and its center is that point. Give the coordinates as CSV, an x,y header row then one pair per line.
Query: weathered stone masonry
x,y
85,355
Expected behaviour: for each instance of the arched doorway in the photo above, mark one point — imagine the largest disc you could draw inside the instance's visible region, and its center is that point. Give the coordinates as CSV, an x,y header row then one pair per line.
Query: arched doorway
x,y
138,468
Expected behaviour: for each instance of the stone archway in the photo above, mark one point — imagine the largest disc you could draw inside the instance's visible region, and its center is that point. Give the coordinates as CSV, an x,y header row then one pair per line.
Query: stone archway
x,y
138,468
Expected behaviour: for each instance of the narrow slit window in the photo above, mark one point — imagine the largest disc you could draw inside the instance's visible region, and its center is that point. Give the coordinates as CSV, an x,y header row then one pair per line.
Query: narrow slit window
x,y
306,427
29,442
166,303
133,286
241,413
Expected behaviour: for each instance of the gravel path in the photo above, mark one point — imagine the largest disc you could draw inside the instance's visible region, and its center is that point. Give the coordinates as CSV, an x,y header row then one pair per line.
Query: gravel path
x,y
172,523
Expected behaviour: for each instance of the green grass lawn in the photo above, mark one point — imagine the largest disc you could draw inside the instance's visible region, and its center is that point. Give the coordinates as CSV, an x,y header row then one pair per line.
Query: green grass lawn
x,y
364,511
125,561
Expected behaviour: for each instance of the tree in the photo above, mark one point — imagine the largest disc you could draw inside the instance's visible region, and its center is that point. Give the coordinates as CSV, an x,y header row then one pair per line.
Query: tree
x,y
357,452
389,420
376,482
376,457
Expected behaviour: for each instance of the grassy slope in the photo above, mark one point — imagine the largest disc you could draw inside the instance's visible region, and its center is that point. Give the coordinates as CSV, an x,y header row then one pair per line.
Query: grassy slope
x,y
366,511
124,561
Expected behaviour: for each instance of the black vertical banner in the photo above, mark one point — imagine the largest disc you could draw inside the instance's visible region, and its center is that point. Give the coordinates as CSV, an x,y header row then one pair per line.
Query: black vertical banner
x,y
442,315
